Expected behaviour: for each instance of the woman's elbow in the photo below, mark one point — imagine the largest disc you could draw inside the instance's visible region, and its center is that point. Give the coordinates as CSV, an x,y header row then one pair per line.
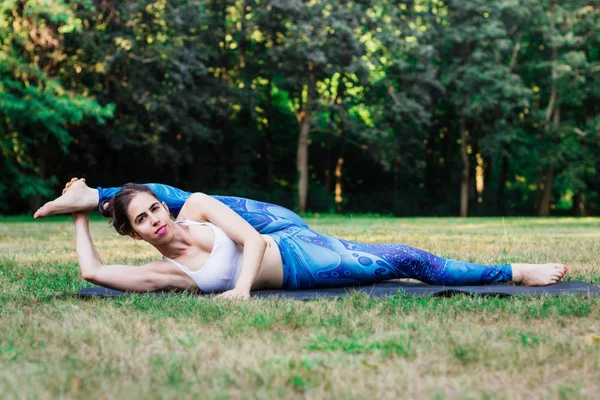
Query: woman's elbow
x,y
153,284
89,276
260,242
256,242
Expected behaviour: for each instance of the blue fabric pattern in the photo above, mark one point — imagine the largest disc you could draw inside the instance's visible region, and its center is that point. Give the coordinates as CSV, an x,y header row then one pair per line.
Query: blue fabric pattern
x,y
314,260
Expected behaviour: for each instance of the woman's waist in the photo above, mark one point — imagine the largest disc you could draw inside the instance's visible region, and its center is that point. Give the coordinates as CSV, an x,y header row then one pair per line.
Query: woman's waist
x,y
270,275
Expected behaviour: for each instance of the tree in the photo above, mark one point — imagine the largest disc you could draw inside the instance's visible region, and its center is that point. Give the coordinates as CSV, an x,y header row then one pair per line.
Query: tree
x,y
558,67
36,109
476,54
321,42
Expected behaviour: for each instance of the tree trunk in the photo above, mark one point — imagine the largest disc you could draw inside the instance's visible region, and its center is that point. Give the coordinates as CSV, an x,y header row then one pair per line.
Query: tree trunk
x,y
304,116
431,164
327,181
579,204
544,210
501,203
487,205
338,179
539,188
302,163
396,186
340,160
552,109
327,172
268,149
464,186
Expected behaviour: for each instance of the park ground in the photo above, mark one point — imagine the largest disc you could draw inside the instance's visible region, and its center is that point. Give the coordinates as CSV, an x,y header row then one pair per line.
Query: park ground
x,y
55,346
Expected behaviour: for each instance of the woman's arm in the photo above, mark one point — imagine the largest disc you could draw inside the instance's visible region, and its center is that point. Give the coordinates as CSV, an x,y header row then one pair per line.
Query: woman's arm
x,y
150,277
201,207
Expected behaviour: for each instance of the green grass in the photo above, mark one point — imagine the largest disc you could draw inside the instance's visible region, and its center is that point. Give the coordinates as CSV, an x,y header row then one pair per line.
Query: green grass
x,y
55,346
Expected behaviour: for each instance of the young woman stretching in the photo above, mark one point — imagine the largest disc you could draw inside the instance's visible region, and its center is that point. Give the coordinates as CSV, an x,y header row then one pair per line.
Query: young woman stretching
x,y
235,245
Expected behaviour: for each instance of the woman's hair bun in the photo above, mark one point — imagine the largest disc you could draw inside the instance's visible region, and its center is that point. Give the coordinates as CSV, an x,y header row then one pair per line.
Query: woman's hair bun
x,y
106,208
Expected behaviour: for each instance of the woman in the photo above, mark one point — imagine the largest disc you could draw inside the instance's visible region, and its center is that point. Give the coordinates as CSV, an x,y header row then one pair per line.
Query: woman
x,y
216,245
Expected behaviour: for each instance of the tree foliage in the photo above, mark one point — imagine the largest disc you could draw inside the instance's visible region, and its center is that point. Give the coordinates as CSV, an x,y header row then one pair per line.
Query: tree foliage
x,y
404,106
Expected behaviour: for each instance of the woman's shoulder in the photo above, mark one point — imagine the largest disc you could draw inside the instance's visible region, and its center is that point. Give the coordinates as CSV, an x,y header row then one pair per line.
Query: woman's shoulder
x,y
192,208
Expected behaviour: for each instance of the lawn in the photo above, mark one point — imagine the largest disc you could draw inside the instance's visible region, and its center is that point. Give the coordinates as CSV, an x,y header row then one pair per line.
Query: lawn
x,y
55,346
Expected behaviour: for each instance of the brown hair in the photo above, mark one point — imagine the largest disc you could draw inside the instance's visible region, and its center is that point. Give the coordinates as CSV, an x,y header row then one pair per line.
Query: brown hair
x,y
116,208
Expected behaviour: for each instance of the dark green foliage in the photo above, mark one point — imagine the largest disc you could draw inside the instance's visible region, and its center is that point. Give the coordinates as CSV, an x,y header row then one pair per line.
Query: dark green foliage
x,y
37,109
408,107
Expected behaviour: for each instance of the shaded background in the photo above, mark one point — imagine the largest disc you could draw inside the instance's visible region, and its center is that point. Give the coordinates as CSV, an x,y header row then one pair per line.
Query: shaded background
x,y
420,107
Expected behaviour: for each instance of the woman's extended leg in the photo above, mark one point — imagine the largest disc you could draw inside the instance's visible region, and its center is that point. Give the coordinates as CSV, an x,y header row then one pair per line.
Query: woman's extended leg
x,y
264,217
311,260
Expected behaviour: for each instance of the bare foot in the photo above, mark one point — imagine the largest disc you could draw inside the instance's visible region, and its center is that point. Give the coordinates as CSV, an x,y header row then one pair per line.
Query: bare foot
x,y
538,274
77,196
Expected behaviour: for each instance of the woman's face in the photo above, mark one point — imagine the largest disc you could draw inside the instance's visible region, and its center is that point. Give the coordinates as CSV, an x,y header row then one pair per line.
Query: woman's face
x,y
149,219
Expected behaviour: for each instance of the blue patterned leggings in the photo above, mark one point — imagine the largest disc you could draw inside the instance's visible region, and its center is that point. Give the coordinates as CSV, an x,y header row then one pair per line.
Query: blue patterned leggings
x,y
313,260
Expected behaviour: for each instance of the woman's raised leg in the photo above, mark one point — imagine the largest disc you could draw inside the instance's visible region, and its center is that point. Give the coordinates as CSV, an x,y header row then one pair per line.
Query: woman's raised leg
x,y
264,217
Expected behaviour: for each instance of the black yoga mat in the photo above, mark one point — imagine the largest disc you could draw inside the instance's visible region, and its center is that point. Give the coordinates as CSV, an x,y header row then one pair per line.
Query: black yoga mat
x,y
388,288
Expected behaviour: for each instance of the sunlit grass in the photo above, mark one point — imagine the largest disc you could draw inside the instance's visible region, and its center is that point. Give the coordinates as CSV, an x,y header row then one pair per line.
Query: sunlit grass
x,y
52,345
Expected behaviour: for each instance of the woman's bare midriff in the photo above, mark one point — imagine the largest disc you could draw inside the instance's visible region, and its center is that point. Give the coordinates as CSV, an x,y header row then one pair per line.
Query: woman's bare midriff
x,y
270,275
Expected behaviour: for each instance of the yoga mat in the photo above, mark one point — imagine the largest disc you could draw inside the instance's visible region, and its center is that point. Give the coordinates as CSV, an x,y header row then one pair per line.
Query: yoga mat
x,y
389,288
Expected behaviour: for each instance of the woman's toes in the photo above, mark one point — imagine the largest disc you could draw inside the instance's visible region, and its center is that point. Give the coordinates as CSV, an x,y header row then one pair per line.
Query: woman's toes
x,y
561,271
42,211
71,182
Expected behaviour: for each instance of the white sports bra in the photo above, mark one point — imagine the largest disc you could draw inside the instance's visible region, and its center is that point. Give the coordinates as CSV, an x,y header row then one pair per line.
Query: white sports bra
x,y
222,269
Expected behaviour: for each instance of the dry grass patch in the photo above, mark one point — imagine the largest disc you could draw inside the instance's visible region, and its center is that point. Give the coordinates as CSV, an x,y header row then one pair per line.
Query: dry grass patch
x,y
55,346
